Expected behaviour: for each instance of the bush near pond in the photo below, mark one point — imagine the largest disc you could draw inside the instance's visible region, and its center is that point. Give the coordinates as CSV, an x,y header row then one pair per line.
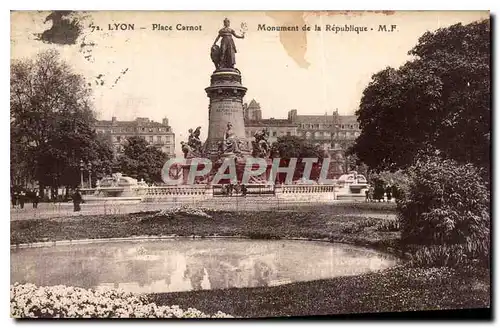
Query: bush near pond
x,y
179,211
30,301
445,214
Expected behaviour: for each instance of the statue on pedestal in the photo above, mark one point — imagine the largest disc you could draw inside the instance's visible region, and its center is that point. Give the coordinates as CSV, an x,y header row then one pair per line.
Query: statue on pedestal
x,y
261,147
187,150
194,140
193,147
224,56
231,143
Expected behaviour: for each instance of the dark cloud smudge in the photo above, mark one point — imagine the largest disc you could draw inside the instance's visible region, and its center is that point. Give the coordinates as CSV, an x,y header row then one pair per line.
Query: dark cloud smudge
x,y
65,30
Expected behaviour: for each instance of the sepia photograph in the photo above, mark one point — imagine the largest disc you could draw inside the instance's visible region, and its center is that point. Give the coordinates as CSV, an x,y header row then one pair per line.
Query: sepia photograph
x,y
250,164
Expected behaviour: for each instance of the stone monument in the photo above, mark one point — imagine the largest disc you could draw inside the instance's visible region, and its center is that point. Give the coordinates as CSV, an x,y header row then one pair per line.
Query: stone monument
x,y
226,128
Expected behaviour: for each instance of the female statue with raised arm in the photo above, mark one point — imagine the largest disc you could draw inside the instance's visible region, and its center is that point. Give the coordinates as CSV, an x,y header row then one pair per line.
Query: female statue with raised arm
x,y
225,58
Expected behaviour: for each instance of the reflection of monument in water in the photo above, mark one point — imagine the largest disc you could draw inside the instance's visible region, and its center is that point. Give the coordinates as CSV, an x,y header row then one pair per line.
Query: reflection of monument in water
x,y
226,131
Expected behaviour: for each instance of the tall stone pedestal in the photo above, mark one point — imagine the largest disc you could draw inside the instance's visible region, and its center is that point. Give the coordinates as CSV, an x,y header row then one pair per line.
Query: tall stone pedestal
x,y
226,106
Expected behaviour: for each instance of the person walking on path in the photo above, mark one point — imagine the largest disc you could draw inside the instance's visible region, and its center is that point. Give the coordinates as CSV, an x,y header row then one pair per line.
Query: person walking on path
x,y
15,198
35,199
77,200
22,198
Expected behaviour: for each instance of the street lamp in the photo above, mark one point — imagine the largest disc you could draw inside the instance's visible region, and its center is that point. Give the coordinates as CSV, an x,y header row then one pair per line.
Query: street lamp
x,y
89,167
82,167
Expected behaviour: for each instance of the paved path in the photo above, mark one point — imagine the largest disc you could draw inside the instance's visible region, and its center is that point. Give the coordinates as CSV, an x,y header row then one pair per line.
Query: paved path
x,y
51,210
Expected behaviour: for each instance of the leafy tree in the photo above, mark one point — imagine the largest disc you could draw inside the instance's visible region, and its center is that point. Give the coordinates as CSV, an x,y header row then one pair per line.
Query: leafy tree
x,y
445,213
51,122
397,181
295,147
288,147
141,161
438,101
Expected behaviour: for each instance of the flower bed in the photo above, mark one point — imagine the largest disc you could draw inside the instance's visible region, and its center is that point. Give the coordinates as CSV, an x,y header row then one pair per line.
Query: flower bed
x,y
179,211
30,301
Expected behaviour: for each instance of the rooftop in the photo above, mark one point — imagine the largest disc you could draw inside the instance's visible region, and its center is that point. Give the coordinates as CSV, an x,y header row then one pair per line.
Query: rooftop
x,y
342,119
143,121
270,122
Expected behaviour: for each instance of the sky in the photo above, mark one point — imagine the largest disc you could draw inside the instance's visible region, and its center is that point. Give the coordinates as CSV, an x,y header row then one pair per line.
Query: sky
x,y
157,73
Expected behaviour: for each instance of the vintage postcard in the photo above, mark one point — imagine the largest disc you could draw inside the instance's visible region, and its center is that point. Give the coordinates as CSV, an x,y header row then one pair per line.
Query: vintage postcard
x,y
246,164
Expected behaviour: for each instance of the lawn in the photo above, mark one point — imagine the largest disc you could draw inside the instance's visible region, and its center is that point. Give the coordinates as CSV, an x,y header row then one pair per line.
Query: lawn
x,y
401,288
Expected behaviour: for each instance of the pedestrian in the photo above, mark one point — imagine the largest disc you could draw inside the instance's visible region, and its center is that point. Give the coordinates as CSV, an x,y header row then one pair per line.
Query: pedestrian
x,y
243,190
15,198
370,194
388,193
22,198
35,199
237,188
77,200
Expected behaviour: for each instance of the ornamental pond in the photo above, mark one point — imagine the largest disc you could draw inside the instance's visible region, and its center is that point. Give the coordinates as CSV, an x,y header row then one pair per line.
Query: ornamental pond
x,y
184,265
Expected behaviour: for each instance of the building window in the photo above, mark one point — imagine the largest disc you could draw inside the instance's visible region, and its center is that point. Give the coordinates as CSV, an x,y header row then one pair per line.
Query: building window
x,y
151,139
288,133
118,138
159,139
274,133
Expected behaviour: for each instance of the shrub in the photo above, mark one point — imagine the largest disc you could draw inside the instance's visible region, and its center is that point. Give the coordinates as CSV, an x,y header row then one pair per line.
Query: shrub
x,y
456,255
388,225
444,213
179,211
395,180
358,225
30,301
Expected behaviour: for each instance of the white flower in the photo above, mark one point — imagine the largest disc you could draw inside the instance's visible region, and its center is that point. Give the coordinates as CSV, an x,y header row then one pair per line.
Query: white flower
x,y
73,302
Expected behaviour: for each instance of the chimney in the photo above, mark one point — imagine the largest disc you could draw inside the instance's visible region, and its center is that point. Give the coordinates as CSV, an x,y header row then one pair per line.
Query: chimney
x,y
113,119
165,121
292,115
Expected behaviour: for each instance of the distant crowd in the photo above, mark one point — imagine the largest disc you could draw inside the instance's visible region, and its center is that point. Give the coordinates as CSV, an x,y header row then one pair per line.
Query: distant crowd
x,y
20,197
381,194
238,189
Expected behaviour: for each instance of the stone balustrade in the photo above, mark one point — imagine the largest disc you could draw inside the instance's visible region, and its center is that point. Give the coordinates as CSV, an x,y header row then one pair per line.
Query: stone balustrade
x,y
306,193
300,189
166,191
195,193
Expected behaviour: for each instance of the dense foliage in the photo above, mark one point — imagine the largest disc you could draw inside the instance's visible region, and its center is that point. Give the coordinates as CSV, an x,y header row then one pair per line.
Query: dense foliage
x,y
445,213
30,301
141,160
288,147
440,100
51,122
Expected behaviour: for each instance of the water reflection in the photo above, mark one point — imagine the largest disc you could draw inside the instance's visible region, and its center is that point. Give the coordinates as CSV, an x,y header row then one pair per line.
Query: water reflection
x,y
182,265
